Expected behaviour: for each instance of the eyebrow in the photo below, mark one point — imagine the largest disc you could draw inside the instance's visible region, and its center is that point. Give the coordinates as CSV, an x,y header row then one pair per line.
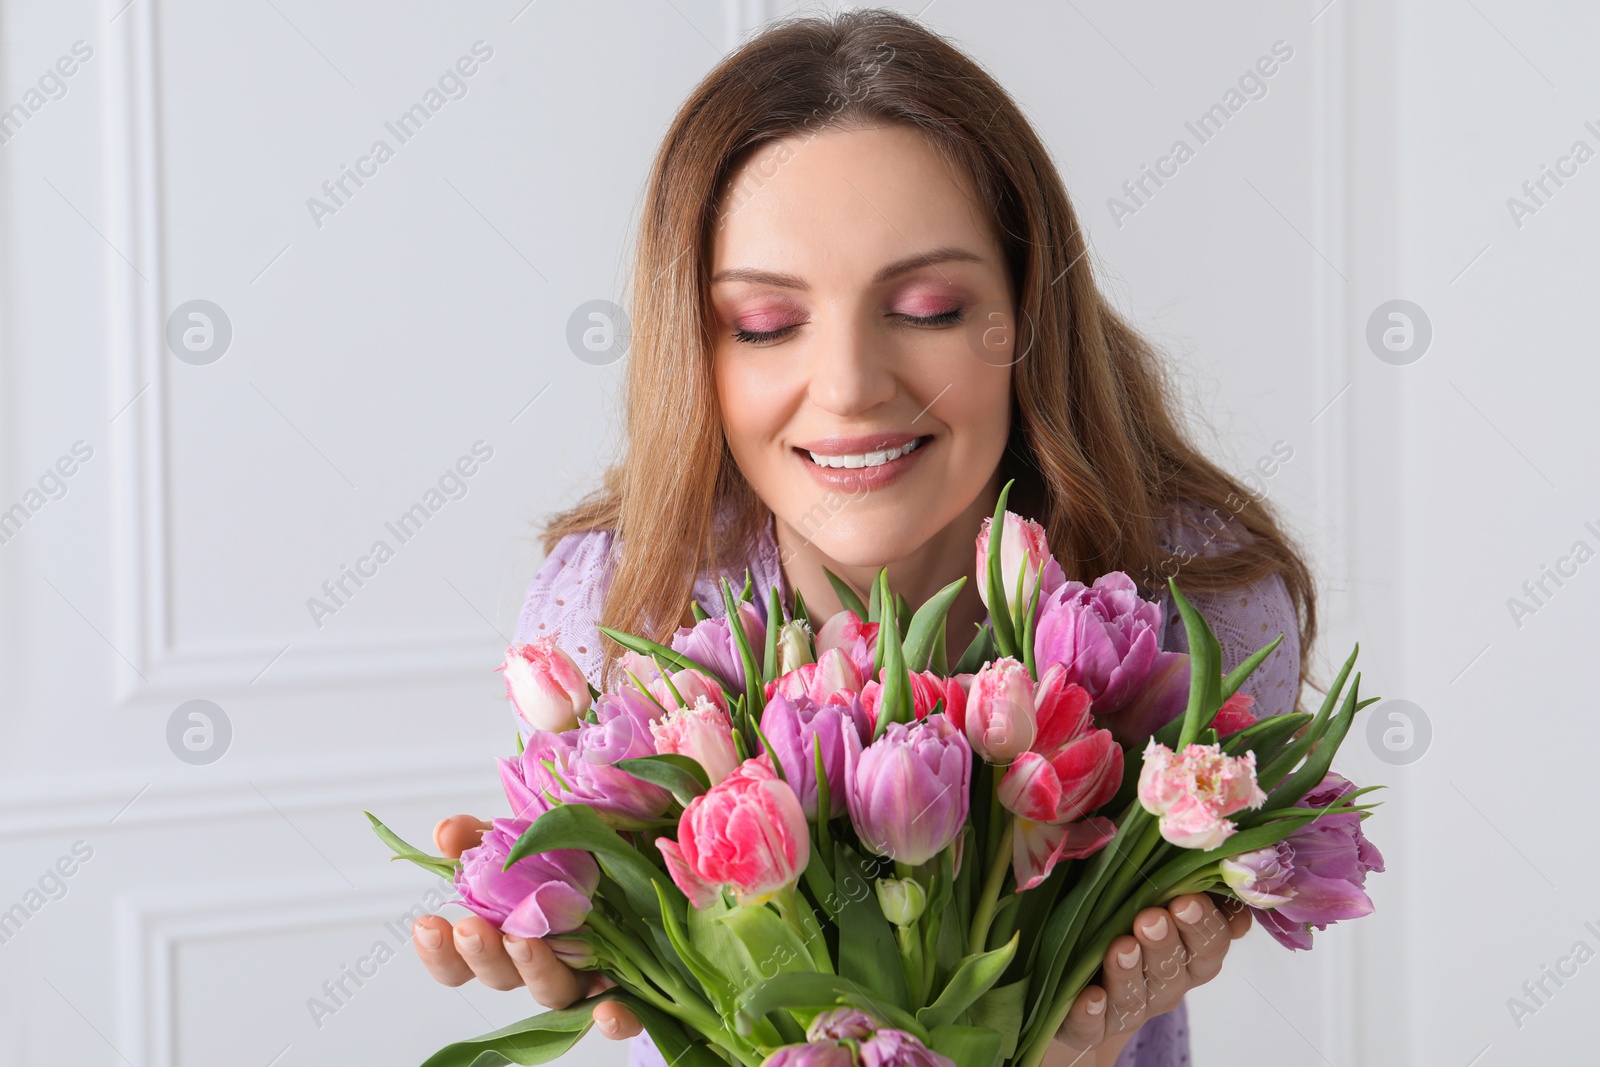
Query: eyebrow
x,y
950,254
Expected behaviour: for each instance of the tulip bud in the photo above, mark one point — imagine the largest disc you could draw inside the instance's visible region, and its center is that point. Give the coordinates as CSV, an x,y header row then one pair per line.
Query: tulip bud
x,y
794,646
1000,718
902,900
545,685
1024,555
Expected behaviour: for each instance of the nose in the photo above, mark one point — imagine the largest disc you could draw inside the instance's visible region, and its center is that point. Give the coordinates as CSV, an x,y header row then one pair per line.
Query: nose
x,y
851,373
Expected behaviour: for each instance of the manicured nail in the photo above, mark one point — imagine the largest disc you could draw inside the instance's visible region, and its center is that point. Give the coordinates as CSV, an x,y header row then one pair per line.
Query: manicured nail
x,y
1190,913
1096,1005
429,937
1128,960
608,1025
471,943
1157,930
439,826
518,948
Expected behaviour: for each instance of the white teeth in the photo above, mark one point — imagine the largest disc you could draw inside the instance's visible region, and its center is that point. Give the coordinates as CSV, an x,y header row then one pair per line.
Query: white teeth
x,y
866,459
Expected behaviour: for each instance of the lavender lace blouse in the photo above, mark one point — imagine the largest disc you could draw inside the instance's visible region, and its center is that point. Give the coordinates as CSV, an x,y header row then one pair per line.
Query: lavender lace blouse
x,y
566,595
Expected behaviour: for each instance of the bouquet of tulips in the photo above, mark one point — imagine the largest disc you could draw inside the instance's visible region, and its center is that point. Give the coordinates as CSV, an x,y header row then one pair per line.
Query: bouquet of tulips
x,y
783,844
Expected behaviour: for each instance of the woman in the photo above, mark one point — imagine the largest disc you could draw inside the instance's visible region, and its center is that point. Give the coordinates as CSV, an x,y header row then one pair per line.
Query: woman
x,y
861,303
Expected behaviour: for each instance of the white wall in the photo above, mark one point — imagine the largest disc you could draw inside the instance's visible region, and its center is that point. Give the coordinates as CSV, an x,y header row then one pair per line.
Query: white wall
x,y
371,351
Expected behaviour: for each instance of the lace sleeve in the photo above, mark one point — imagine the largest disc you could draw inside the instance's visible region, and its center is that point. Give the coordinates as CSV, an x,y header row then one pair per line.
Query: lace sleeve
x,y
565,597
1244,619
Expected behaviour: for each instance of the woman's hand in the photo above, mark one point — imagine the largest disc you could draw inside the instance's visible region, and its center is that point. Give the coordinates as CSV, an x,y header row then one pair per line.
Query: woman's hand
x,y
475,949
1172,950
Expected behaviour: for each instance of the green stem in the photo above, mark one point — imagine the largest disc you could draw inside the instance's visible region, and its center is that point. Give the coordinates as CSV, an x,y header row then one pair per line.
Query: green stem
x,y
676,998
983,914
911,960
798,914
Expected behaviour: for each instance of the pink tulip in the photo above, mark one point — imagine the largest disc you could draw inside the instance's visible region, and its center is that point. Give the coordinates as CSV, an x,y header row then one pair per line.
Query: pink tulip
x,y
1024,553
710,642
747,833
927,690
1234,715
1194,791
832,679
910,789
1000,719
545,685
546,893
858,639
575,767
702,732
1071,770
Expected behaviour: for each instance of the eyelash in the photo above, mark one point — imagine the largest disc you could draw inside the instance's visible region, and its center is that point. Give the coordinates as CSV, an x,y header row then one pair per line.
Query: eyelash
x,y
944,318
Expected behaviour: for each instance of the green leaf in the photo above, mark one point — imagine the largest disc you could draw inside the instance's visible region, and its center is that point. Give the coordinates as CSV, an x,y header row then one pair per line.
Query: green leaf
x,y
682,776
536,1040
700,613
848,599
722,992
927,626
876,605
1315,768
1266,737
1005,636
1000,1010
868,951
579,826
646,647
1235,678
896,703
443,866
1274,772
754,692
969,1046
975,976
811,992
800,613
769,660
979,652
1205,679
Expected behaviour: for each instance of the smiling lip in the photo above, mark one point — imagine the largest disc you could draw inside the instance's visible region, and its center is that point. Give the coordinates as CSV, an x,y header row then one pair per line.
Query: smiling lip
x,y
863,479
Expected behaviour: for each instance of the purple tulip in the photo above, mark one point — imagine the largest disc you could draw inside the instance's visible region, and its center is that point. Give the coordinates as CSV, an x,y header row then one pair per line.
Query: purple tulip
x,y
1319,872
794,726
908,790
816,1054
710,643
546,893
1109,640
574,767
841,1024
896,1048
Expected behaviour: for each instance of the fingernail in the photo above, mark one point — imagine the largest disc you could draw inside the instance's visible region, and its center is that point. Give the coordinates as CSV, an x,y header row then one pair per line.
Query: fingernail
x,y
608,1025
1190,913
469,942
1096,1005
429,937
1128,960
1157,930
437,827
518,948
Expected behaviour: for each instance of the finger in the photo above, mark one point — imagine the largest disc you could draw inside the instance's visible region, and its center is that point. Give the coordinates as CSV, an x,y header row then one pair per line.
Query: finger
x,y
1085,1025
481,946
1164,976
1123,975
1206,935
432,937
455,835
552,983
1239,917
615,1020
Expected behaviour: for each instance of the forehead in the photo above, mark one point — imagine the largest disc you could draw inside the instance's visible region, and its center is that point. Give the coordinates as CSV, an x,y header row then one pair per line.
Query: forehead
x,y
847,196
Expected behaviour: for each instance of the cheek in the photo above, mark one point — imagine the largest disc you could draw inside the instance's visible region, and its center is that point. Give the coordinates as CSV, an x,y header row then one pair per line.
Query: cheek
x,y
754,403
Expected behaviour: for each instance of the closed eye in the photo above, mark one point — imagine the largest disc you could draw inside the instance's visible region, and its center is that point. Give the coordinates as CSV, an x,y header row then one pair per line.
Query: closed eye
x,y
759,337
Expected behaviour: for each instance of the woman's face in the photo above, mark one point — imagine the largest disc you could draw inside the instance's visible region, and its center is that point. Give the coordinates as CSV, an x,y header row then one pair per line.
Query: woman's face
x,y
862,342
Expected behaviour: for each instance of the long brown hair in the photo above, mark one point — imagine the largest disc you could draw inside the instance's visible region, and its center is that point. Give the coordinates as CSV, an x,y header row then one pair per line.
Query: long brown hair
x,y
1099,457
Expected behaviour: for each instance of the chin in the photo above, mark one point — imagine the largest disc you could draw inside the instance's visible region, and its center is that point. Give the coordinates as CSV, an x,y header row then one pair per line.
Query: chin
x,y
873,544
